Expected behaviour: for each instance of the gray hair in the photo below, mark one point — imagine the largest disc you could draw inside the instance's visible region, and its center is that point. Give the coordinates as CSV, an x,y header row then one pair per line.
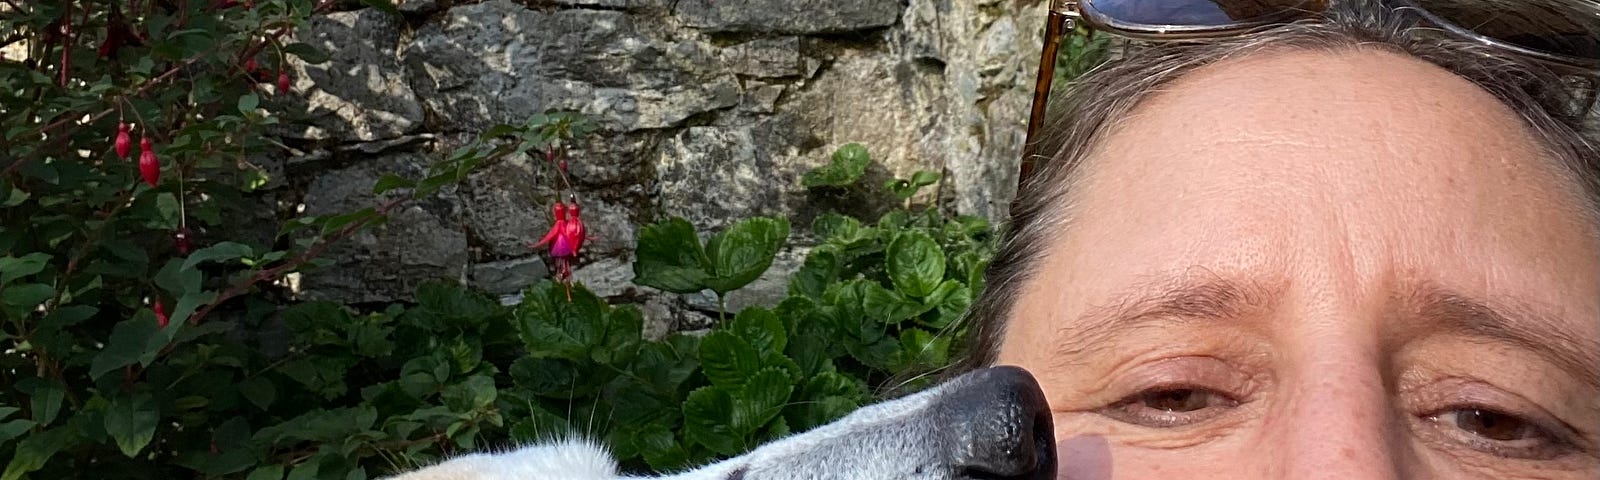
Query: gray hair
x,y
1087,111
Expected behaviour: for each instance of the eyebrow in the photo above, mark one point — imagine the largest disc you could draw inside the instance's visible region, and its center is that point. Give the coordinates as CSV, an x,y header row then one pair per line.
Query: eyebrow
x,y
1197,296
1208,298
1512,324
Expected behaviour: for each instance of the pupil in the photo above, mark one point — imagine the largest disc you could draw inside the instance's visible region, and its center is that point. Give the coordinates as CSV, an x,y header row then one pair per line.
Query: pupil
x,y
1175,401
1490,425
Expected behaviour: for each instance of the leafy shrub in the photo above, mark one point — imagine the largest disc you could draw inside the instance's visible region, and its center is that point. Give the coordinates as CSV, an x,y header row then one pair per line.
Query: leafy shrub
x,y
140,343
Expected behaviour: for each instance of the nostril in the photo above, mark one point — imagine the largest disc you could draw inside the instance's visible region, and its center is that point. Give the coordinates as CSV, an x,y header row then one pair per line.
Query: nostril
x,y
1001,426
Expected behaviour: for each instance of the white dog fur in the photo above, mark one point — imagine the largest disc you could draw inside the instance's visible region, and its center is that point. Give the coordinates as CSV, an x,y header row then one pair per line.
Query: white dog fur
x,y
913,437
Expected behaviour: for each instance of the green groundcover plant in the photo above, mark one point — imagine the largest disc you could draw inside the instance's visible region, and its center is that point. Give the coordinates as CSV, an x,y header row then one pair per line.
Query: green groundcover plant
x,y
139,340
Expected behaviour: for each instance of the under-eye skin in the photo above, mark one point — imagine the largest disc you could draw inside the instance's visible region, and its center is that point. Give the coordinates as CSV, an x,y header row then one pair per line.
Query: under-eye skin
x,y
1170,406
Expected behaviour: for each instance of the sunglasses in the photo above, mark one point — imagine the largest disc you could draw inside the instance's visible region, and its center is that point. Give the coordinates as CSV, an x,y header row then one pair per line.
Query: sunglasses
x,y
1564,34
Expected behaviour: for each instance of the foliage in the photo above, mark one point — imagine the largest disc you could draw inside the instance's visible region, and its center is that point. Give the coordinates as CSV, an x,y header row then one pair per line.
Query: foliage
x,y
1080,51
129,353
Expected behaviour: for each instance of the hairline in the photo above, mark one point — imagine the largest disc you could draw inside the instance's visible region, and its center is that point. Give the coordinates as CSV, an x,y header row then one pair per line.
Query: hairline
x,y
1106,95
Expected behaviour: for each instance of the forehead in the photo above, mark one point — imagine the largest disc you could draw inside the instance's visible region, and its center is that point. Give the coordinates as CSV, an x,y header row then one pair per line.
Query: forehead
x,y
1383,164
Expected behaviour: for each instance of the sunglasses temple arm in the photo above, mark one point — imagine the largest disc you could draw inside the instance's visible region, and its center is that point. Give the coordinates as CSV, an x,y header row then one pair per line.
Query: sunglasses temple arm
x,y
1054,29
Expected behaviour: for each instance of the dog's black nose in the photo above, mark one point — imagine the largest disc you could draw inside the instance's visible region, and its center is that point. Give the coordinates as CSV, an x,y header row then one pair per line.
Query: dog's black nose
x,y
1000,426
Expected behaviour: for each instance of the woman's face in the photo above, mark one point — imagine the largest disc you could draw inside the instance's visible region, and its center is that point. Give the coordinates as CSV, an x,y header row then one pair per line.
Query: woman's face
x,y
1319,265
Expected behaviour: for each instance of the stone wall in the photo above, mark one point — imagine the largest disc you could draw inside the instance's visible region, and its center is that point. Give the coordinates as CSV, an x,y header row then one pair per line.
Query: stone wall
x,y
709,109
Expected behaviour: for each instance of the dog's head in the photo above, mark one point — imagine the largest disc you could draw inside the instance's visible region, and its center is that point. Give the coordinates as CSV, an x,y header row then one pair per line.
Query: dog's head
x,y
987,424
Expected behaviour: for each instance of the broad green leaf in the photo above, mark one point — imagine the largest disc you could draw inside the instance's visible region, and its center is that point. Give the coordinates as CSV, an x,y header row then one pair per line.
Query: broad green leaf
x,y
889,306
259,391
669,257
920,349
12,268
728,360
14,198
915,263
306,53
45,400
740,254
25,297
248,103
13,429
660,448
222,251
132,422
923,178
131,341
178,280
761,399
266,472
390,182
707,420
32,452
847,166
761,328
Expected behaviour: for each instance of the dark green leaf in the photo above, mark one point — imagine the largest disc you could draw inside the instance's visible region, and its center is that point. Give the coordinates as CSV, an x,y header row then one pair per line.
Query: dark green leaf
x,y
259,391
306,52
848,164
248,103
266,472
25,297
45,400
222,251
670,258
130,340
32,452
707,416
132,422
762,398
390,182
740,254
12,268
761,328
915,263
728,360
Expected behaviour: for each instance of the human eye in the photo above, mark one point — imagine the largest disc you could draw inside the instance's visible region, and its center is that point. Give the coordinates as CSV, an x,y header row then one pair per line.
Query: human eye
x,y
1495,431
1170,406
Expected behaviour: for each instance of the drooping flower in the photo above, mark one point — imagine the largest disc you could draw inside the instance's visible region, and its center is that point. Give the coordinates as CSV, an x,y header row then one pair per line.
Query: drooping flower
x,y
182,241
283,82
149,165
565,239
124,142
161,314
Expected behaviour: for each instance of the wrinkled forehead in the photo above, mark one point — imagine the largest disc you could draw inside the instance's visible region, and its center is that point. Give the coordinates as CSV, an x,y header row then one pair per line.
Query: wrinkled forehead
x,y
1273,151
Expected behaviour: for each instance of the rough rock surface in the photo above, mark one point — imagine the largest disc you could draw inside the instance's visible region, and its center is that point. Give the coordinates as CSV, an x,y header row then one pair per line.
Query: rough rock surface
x,y
359,93
787,16
384,263
707,109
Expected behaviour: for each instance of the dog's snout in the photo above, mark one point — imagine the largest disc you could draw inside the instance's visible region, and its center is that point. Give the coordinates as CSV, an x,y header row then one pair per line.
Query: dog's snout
x,y
1001,427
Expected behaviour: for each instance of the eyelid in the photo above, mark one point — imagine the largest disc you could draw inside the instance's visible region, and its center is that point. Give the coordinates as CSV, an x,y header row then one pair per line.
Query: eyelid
x,y
1452,393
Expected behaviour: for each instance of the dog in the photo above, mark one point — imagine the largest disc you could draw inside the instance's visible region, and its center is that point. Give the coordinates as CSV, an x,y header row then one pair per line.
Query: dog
x,y
986,424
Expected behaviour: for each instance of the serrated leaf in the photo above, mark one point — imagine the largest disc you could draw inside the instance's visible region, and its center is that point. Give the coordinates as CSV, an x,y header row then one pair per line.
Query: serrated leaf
x,y
762,398
728,360
740,254
132,422
707,415
670,257
761,328
915,263
846,166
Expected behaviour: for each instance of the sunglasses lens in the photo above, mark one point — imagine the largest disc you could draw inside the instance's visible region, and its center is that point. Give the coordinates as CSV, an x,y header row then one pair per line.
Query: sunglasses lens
x,y
1562,27
1199,13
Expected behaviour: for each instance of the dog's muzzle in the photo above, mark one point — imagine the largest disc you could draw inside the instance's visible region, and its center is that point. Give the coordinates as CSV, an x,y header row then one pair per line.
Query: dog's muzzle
x,y
999,425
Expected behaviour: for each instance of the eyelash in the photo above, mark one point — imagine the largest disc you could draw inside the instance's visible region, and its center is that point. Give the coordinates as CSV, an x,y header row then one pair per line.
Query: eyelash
x,y
1122,409
1549,444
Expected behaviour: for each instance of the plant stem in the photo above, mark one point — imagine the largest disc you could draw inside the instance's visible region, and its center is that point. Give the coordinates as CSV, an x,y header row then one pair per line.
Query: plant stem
x,y
722,308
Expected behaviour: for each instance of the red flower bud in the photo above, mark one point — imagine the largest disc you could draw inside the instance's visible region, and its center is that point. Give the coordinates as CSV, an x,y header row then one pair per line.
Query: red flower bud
x,y
550,155
161,314
124,142
283,82
149,165
250,66
562,165
182,241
